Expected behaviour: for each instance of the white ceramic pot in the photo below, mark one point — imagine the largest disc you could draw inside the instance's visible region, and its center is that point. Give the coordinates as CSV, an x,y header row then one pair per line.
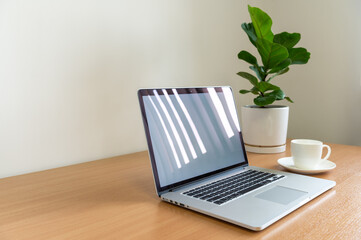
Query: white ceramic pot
x,y
265,129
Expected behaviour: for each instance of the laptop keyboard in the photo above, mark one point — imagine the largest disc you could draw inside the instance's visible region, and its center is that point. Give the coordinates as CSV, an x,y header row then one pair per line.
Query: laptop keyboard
x,y
227,189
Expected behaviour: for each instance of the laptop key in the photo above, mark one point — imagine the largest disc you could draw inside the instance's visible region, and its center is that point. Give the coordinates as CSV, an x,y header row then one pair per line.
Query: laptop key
x,y
213,199
219,202
198,195
205,197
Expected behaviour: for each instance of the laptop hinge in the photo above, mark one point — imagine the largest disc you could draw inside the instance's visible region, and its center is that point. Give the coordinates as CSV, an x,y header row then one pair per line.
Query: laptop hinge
x,y
163,192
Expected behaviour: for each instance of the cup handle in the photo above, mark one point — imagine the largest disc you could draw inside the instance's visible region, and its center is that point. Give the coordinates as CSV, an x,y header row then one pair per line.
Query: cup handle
x,y
328,151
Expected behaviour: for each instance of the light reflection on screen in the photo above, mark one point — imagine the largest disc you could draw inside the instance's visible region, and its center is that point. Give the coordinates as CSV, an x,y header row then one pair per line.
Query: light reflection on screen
x,y
192,134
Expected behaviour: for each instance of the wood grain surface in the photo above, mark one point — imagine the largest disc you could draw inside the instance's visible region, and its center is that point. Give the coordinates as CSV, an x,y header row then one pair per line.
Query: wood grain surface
x,y
115,199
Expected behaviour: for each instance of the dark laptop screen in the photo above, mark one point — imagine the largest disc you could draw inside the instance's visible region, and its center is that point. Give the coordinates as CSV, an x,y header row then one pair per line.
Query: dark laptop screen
x,y
192,132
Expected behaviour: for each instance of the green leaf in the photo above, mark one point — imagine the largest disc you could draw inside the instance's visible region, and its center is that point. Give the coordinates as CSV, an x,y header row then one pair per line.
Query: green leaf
x,y
265,86
255,91
249,77
259,71
284,64
299,55
288,40
249,29
272,54
263,101
279,73
282,71
289,99
278,94
244,91
246,56
262,23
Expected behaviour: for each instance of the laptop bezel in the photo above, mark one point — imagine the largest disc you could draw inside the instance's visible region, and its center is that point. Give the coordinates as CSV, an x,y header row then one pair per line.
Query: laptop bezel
x,y
150,92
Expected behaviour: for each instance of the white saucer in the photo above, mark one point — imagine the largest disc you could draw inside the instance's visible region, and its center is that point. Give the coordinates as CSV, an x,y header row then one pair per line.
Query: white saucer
x,y
324,166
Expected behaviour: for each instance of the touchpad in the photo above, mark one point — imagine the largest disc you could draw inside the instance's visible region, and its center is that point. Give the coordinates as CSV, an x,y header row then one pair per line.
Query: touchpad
x,y
281,195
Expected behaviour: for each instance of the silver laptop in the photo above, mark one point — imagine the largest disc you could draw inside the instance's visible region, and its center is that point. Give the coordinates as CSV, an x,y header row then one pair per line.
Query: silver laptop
x,y
199,161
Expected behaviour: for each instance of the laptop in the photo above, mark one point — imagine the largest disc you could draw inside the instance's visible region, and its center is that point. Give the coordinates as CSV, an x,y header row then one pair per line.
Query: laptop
x,y
199,160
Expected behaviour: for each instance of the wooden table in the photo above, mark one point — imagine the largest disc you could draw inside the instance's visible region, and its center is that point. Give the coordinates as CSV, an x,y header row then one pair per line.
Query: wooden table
x,y
115,199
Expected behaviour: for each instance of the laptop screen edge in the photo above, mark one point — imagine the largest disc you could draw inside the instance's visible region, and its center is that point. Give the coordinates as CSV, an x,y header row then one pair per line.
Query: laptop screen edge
x,y
160,189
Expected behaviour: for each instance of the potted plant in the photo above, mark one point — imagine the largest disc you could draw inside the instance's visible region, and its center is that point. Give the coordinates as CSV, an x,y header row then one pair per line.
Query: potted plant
x,y
264,125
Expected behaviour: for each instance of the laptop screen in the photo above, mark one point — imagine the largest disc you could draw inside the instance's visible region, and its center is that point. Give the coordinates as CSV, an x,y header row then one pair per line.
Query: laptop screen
x,y
191,132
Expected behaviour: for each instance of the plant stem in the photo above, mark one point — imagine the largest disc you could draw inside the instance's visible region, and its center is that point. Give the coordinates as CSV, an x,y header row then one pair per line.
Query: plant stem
x,y
264,78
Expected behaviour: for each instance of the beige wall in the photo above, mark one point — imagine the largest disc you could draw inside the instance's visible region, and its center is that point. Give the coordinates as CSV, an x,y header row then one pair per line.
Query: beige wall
x,y
71,69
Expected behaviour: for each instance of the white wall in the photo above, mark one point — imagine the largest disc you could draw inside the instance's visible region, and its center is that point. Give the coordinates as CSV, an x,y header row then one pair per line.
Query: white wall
x,y
70,70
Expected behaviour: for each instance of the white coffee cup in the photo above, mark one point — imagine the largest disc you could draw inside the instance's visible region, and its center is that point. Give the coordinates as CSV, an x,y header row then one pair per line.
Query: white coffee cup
x,y
307,153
